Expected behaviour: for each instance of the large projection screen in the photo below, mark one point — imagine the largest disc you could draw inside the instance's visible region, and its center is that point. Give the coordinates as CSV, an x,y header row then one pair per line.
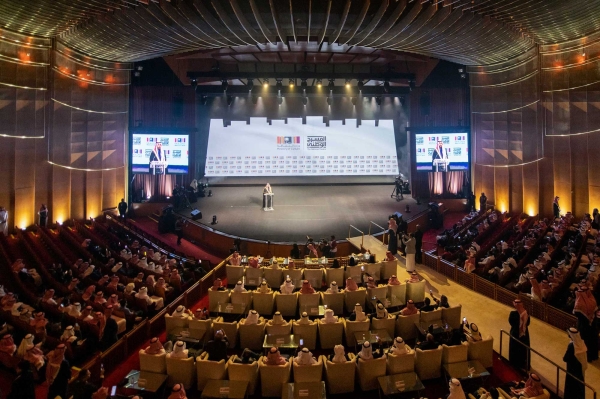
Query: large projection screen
x,y
296,149
453,147
174,146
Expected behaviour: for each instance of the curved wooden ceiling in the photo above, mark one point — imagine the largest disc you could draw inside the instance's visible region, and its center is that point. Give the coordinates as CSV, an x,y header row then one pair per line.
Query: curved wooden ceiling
x,y
471,32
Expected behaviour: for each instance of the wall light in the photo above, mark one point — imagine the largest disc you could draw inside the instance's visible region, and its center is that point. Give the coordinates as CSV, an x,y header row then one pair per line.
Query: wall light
x,y
266,83
319,83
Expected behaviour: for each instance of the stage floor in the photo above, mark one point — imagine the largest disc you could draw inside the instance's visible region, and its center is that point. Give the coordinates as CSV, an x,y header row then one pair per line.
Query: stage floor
x,y
317,211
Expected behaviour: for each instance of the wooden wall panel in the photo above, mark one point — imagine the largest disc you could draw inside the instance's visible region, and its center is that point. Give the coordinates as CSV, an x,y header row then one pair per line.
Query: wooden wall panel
x,y
579,179
501,189
531,191
561,150
515,178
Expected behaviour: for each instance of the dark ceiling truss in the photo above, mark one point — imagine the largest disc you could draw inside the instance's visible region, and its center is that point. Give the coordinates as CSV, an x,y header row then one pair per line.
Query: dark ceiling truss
x,y
474,32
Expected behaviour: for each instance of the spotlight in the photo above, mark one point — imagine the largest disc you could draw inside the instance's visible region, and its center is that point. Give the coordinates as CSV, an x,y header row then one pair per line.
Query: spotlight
x,y
304,100
292,83
347,83
140,68
229,100
203,100
386,86
329,100
214,220
266,83
224,85
194,83
463,75
378,100
460,70
250,84
360,85
331,84
353,101
279,100
303,84
254,99
319,83
279,85
136,74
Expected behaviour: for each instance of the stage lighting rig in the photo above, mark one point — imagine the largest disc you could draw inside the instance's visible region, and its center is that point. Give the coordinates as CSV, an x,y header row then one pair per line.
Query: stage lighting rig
x,y
250,84
279,85
303,84
329,100
292,83
347,83
254,99
360,85
224,84
279,100
331,84
194,83
304,100
386,86
319,83
266,83
354,101
378,100
229,100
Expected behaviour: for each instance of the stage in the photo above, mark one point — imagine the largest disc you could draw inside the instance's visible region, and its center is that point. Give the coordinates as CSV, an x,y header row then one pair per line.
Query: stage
x,y
318,211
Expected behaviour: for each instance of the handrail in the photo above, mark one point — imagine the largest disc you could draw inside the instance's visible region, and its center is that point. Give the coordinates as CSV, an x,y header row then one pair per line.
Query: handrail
x,y
362,241
558,368
370,223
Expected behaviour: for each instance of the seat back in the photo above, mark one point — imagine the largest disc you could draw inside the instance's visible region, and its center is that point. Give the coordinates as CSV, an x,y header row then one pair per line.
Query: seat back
x,y
153,363
483,351
428,363
454,353
312,373
308,332
287,304
405,326
432,317
378,293
272,378
174,325
452,316
182,371
340,376
398,364
331,334
234,274
314,277
274,277
252,335
201,329
334,302
374,270
278,329
388,324
207,369
389,268
354,297
336,275
350,327
242,297
309,301
369,371
263,303
416,291
295,275
243,372
216,298
230,329
397,294
355,272
254,276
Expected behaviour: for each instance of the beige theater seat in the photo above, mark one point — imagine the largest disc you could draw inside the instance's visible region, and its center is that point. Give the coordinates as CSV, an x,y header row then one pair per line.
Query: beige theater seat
x,y
454,353
121,324
397,294
355,272
181,371
254,276
153,363
307,302
308,333
243,372
174,325
378,293
312,373
334,302
331,334
353,297
287,304
483,351
234,274
242,298
336,275
274,277
252,335
350,327
201,329
272,378
263,303
340,376
398,364
428,364
369,370
452,315
278,329
405,326
505,395
374,270
314,277
388,324
433,317
216,298
230,330
416,291
207,369
295,275
389,268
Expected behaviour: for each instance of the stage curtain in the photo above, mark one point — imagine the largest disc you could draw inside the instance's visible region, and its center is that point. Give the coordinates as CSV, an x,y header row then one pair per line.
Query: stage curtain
x,y
436,183
454,181
155,185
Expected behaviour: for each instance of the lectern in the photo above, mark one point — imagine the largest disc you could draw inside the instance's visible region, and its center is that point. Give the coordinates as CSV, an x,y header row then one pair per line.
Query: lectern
x,y
440,165
267,201
158,167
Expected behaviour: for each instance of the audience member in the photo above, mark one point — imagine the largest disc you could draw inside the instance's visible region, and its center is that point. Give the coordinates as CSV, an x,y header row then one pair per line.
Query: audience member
x,y
357,314
155,347
368,352
456,390
82,388
339,354
287,287
519,329
304,358
217,347
399,347
177,392
58,373
307,288
429,343
180,351
274,358
410,309
23,386
576,359
351,284
329,317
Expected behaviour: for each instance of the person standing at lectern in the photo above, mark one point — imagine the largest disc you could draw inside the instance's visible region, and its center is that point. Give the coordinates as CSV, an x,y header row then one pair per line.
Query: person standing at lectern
x,y
438,153
266,190
122,208
158,154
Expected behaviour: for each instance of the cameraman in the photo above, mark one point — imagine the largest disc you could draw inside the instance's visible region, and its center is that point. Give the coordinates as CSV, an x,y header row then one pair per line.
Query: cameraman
x,y
179,225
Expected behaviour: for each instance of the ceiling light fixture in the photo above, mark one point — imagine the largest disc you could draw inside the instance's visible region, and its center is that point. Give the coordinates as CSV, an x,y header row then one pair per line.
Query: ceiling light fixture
x,y
319,83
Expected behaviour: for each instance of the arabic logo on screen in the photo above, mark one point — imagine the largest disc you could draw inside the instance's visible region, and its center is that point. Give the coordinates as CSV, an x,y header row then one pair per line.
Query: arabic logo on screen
x,y
148,152
176,153
137,140
457,151
316,142
419,140
164,140
445,140
288,143
179,141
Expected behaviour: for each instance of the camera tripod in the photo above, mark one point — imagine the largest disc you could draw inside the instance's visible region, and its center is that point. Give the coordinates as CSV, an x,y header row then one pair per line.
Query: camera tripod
x,y
397,193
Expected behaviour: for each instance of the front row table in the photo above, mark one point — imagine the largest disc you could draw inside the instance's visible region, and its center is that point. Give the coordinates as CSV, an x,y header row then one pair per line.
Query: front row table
x,y
145,381
304,390
400,385
225,389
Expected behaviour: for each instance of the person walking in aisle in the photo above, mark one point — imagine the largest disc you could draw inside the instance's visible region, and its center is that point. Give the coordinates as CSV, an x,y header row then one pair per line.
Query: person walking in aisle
x,y
409,245
418,236
122,208
518,353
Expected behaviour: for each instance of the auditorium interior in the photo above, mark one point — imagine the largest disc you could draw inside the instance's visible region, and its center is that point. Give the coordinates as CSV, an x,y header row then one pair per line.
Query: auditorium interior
x,y
299,199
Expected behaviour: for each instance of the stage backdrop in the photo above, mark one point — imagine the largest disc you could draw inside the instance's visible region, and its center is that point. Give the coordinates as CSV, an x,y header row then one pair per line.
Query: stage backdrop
x,y
293,148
